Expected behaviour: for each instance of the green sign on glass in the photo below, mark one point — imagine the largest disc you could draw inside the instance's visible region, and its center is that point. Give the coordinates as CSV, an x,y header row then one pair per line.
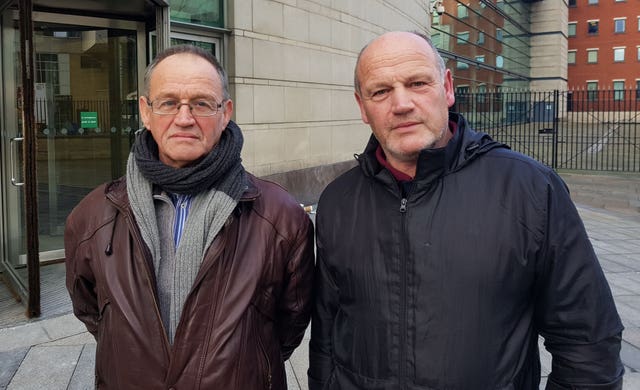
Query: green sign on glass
x,y
88,119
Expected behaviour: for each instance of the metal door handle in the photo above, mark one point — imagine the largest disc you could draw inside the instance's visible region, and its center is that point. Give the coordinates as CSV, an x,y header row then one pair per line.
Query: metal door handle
x,y
14,181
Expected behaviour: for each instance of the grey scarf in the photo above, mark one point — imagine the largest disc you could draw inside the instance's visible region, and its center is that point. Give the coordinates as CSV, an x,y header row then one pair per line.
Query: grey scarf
x,y
212,204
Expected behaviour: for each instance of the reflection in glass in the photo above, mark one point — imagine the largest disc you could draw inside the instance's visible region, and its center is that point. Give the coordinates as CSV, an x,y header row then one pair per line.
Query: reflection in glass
x,y
86,82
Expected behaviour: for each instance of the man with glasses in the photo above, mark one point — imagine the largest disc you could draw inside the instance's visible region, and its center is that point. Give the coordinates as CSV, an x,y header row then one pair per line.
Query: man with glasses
x,y
189,271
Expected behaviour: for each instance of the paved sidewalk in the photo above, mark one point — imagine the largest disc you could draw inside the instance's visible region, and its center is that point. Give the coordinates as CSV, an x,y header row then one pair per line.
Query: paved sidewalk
x,y
58,353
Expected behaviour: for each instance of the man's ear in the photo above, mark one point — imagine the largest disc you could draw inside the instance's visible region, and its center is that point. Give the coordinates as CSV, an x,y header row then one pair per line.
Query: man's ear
x,y
227,109
449,90
145,111
363,113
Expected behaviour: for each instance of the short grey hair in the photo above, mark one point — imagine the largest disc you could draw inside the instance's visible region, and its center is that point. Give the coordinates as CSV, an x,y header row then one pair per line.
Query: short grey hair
x,y
439,60
187,49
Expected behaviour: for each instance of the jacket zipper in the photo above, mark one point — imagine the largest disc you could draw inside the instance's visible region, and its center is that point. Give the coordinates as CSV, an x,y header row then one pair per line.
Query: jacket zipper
x,y
403,300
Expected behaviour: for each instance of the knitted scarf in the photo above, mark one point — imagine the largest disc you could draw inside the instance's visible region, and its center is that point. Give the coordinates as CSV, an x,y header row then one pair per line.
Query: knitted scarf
x,y
217,181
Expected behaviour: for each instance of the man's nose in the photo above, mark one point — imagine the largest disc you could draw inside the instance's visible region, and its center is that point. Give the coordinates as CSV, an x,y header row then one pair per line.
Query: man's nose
x,y
401,100
184,115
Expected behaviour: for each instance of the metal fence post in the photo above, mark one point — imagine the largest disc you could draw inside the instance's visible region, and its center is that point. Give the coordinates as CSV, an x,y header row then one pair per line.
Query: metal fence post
x,y
556,106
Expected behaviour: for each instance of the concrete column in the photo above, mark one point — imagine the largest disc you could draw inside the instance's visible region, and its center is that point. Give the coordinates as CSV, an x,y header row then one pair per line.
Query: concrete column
x,y
549,45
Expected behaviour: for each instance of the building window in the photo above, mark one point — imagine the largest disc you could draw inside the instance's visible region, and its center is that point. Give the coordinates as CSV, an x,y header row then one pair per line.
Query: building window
x,y
463,38
618,54
201,12
572,3
47,71
463,11
638,23
572,29
499,61
571,57
637,89
480,58
461,65
592,56
619,25
592,2
592,26
618,90
499,35
638,49
480,37
592,91
436,38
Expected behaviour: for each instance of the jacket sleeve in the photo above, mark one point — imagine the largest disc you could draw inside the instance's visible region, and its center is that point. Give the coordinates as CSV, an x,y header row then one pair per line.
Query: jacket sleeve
x,y
575,311
80,279
294,308
324,312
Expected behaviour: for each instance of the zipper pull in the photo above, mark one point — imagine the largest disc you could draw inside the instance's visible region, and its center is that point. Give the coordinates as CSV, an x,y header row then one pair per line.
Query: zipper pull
x,y
403,205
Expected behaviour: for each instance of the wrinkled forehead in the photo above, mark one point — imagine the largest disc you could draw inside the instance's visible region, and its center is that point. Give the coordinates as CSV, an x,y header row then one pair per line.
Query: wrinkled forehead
x,y
393,59
392,48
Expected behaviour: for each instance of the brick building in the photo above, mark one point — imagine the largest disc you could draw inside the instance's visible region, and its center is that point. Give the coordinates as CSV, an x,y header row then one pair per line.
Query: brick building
x,y
604,45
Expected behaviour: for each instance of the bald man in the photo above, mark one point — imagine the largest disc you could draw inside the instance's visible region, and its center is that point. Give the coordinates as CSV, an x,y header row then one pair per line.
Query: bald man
x,y
443,256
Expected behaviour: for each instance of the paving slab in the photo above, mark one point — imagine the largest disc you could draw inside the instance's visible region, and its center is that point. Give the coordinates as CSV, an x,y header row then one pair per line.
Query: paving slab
x,y
631,381
48,368
9,363
630,356
22,336
83,377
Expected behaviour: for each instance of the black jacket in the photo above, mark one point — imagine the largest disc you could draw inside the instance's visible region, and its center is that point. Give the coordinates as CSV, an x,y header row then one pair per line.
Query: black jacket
x,y
450,286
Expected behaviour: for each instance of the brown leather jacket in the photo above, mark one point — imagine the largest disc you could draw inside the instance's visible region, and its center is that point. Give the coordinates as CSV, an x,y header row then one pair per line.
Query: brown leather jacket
x,y
246,313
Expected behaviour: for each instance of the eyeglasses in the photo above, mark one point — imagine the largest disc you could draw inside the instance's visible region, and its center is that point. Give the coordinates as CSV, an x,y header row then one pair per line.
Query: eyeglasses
x,y
198,107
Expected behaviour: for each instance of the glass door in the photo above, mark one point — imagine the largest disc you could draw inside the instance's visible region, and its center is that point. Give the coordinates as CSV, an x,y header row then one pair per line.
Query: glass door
x,y
86,75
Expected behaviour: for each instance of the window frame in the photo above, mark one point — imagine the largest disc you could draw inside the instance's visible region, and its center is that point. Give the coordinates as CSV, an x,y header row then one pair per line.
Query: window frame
x,y
618,93
575,55
459,37
616,54
461,65
593,51
615,25
592,93
569,29
593,22
481,38
464,14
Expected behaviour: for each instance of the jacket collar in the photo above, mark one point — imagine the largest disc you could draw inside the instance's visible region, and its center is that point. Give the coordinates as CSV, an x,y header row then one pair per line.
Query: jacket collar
x,y
465,145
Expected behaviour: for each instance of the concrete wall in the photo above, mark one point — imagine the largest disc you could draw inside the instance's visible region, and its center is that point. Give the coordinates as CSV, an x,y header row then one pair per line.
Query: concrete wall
x,y
291,65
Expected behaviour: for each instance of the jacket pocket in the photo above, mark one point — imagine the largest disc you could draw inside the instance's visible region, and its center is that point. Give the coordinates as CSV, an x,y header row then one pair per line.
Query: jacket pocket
x,y
263,356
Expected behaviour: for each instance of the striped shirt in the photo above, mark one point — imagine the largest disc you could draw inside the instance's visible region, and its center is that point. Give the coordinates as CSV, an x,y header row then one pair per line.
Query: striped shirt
x,y
182,204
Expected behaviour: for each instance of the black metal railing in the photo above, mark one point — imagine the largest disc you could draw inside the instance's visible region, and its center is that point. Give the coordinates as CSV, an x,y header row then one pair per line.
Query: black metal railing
x,y
595,130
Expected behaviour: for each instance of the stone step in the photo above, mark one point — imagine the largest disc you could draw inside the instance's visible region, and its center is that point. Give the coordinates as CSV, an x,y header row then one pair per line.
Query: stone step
x,y
612,192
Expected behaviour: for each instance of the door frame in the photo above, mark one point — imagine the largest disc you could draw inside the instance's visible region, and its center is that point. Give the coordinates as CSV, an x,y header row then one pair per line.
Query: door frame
x,y
29,292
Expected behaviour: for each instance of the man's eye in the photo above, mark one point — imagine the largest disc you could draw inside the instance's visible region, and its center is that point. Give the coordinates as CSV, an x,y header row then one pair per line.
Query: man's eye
x,y
202,104
379,92
418,84
167,103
